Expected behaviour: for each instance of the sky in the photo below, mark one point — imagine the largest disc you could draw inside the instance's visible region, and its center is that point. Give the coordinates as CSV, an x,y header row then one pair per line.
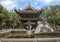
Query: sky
x,y
11,4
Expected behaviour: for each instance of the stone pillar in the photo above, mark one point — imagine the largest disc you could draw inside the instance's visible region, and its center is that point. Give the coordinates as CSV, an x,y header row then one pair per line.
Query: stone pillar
x,y
29,32
0,41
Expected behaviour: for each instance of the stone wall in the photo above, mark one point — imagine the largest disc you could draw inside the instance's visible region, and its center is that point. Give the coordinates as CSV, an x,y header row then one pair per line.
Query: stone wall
x,y
47,35
4,34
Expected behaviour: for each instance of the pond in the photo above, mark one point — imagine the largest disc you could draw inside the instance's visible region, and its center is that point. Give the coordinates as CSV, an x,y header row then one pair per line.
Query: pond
x,y
23,34
18,34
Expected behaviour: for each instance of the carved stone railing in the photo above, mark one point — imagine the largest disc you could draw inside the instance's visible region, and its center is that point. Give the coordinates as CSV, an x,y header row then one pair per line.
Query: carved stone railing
x,y
29,19
5,30
30,40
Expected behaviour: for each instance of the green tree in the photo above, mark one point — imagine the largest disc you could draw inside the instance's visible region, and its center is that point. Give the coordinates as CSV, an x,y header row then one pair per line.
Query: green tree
x,y
3,16
14,19
8,19
52,15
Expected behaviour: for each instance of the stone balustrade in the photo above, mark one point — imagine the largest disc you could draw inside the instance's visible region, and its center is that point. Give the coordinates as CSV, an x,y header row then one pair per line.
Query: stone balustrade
x,y
30,40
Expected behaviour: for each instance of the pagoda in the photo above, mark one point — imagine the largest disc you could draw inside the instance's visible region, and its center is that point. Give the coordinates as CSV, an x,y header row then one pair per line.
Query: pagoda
x,y
29,17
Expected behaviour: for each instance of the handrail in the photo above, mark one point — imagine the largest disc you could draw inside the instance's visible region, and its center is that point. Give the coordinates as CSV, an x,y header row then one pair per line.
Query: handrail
x,y
31,39
29,19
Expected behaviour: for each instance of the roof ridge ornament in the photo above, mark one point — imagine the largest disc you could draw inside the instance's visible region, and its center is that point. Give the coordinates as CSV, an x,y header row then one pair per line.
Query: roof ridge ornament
x,y
29,6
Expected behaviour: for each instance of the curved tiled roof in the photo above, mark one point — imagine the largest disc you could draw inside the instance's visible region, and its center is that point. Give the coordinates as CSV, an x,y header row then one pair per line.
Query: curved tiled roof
x,y
28,9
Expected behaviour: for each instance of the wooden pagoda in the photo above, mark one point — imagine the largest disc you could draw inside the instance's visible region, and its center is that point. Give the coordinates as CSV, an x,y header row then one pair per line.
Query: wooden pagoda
x,y
29,17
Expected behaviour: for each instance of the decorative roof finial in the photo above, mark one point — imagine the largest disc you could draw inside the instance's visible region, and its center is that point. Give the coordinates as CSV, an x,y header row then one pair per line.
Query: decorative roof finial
x,y
29,5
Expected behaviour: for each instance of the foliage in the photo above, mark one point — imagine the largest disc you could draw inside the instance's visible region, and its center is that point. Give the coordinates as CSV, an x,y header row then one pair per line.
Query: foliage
x,y
52,14
8,19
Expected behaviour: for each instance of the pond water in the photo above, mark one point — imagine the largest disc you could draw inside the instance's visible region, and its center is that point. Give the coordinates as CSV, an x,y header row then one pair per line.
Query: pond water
x,y
18,34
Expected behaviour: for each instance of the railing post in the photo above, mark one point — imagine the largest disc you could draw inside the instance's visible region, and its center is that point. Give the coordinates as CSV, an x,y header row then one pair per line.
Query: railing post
x,y
35,41
58,41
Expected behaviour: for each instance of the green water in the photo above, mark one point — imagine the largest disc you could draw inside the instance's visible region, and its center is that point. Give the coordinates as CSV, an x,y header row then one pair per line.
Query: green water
x,y
23,34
